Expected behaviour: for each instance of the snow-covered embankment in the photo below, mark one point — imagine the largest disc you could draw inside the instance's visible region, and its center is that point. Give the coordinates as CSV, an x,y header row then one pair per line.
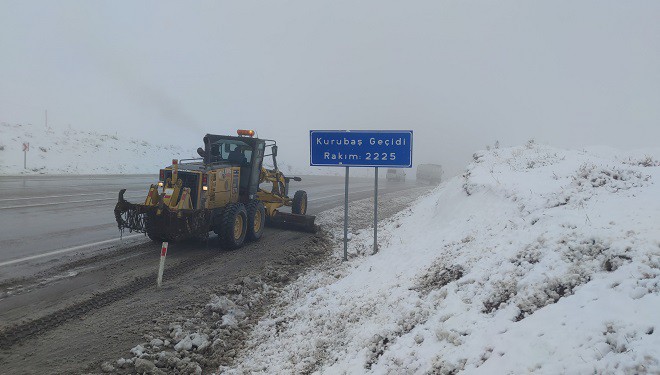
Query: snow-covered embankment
x,y
73,151
536,260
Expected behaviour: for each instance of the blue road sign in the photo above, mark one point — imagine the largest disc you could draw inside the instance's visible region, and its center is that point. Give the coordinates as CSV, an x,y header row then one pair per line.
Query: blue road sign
x,y
361,148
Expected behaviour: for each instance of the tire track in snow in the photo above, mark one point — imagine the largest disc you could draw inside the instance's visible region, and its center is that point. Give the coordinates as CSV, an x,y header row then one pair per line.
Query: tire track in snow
x,y
28,329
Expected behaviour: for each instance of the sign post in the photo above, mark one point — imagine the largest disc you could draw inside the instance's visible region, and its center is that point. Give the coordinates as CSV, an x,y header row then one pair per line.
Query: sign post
x,y
346,218
361,148
375,211
26,148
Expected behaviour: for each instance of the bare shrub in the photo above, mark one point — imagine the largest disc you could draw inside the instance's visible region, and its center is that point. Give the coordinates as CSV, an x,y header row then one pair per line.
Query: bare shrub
x,y
503,292
646,161
612,179
437,276
550,292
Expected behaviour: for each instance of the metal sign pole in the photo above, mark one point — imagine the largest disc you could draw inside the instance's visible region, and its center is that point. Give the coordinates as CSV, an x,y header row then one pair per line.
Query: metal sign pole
x,y
376,213
346,218
26,148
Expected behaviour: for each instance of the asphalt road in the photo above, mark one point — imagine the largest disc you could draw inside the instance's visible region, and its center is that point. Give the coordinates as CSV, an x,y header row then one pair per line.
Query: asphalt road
x,y
53,216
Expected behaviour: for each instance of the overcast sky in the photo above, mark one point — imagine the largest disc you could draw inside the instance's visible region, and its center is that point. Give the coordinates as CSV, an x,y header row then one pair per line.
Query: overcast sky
x,y
461,74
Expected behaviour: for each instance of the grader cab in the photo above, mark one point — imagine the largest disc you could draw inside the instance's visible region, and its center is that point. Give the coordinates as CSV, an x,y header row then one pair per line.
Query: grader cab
x,y
220,192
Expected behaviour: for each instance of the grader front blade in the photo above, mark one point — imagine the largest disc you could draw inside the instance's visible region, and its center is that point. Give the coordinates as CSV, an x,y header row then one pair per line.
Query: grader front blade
x,y
160,222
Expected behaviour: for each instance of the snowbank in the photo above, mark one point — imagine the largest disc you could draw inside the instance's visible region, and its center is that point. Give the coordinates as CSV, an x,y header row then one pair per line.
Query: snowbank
x,y
536,260
71,151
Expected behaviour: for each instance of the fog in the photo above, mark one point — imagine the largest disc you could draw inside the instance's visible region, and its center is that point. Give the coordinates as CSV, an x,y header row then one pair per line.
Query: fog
x,y
460,74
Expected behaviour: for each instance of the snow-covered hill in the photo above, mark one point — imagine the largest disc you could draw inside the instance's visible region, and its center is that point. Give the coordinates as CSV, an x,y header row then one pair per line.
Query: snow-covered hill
x,y
537,260
72,151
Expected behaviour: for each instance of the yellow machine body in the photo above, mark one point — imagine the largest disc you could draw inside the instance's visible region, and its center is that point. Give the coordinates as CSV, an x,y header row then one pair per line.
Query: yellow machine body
x,y
221,192
276,197
223,185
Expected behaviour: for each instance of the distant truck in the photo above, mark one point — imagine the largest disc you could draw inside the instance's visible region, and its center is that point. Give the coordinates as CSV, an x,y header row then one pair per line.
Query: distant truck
x,y
394,174
431,173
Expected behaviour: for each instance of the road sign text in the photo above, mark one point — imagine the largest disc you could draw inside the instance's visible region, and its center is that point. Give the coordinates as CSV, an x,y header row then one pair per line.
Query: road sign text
x,y
361,148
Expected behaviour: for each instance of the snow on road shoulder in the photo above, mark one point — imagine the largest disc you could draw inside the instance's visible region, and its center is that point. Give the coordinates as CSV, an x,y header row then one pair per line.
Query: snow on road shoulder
x,y
536,260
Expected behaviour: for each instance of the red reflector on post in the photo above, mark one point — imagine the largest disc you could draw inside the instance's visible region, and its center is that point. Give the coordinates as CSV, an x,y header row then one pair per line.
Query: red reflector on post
x,y
162,175
249,133
205,179
175,162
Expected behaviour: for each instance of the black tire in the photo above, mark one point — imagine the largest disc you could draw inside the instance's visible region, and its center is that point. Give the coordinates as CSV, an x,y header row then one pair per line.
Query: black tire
x,y
154,238
256,220
232,226
299,205
152,232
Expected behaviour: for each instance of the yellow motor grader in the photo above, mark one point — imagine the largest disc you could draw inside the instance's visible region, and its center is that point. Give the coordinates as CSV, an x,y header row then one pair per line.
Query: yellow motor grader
x,y
219,192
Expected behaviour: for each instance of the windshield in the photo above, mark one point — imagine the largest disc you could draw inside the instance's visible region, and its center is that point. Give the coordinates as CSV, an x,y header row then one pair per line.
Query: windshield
x,y
231,151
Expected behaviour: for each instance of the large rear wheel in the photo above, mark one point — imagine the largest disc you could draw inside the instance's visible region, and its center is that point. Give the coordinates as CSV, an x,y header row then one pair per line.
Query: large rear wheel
x,y
299,204
256,219
232,228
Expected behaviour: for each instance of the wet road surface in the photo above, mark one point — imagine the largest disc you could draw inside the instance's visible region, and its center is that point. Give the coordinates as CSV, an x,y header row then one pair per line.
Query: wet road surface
x,y
47,216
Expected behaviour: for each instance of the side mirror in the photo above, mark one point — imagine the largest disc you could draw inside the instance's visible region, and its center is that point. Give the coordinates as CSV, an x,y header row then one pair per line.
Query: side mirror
x,y
274,150
200,152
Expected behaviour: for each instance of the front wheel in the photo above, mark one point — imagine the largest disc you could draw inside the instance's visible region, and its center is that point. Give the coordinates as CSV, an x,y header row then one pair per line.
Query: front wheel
x,y
232,228
152,230
299,205
256,218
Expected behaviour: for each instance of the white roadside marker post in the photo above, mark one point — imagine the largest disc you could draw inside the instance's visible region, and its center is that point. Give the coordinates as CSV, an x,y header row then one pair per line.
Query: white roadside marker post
x,y
161,267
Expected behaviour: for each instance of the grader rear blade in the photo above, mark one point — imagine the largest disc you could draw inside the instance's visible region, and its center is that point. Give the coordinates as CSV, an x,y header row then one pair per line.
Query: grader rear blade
x,y
303,223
